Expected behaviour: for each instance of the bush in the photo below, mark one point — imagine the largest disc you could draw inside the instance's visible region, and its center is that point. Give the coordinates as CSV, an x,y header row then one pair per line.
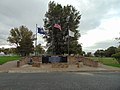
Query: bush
x,y
117,57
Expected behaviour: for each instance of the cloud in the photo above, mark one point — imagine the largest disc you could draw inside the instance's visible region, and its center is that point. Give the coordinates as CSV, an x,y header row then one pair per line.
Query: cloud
x,y
101,45
23,11
99,23
15,13
93,11
107,31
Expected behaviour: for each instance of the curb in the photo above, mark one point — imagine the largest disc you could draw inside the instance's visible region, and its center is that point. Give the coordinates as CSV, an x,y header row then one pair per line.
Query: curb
x,y
96,71
46,71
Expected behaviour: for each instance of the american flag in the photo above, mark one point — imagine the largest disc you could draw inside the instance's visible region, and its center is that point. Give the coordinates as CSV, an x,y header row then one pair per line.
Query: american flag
x,y
57,26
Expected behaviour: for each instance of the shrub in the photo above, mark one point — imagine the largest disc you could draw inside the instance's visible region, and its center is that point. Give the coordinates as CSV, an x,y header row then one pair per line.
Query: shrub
x,y
117,57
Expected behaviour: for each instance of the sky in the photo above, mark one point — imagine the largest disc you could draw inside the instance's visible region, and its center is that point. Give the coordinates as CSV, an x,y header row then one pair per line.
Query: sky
x,y
99,24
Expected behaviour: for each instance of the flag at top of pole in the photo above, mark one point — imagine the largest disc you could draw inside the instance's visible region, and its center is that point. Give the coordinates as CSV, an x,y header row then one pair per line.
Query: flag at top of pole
x,y
57,26
40,30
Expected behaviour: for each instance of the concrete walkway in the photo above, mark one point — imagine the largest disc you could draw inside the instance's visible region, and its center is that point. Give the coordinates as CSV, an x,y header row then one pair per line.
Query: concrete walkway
x,y
11,67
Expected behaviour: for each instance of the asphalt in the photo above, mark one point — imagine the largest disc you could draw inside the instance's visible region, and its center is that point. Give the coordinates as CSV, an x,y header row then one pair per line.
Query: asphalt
x,y
60,81
11,67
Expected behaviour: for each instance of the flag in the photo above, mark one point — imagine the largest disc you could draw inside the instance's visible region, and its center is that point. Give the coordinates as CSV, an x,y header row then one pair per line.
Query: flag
x,y
40,30
57,26
71,33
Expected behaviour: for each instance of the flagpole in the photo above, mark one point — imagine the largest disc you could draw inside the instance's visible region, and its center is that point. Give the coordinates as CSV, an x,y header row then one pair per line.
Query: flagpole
x,y
36,41
68,42
52,42
67,19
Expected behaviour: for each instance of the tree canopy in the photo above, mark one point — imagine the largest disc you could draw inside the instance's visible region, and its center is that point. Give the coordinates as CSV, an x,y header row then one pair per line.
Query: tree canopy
x,y
39,49
118,39
99,53
106,53
23,38
68,18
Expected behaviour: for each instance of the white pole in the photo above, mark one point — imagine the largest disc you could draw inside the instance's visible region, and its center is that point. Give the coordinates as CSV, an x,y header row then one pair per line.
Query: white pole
x,y
36,41
68,43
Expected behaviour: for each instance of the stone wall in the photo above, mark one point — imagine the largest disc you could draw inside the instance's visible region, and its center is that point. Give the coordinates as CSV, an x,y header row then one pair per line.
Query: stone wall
x,y
89,62
23,61
86,61
75,60
26,60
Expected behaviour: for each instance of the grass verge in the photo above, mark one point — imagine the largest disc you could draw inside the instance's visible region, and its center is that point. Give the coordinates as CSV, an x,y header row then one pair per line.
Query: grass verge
x,y
4,59
107,61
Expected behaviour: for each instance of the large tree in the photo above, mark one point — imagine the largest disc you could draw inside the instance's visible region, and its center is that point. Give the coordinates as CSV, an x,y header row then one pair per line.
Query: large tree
x,y
118,39
68,18
99,53
111,50
23,38
39,49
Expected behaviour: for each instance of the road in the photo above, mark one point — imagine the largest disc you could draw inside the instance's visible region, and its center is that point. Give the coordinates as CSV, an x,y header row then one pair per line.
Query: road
x,y
60,81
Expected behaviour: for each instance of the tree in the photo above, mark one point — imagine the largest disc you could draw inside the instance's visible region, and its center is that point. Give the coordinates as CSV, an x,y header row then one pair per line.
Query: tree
x,y
118,49
6,51
83,53
111,50
39,49
0,49
13,51
118,39
23,38
89,54
68,18
117,57
99,53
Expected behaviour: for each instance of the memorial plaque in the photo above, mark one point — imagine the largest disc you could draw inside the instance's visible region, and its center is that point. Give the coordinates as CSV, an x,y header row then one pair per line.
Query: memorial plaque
x,y
54,59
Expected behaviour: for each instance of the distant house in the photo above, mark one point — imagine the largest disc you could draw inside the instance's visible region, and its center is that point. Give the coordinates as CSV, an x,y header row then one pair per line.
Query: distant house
x,y
2,54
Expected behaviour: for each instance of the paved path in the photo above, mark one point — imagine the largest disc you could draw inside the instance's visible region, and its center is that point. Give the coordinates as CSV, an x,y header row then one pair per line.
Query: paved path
x,y
60,81
9,65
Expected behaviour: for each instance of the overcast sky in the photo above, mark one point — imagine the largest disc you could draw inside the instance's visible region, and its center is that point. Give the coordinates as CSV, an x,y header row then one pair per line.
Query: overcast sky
x,y
99,26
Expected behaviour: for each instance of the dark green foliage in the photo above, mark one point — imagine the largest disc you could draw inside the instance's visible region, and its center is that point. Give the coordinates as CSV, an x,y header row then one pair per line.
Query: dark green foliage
x,y
99,53
57,40
39,49
23,38
9,50
117,57
89,54
106,53
0,49
111,50
118,39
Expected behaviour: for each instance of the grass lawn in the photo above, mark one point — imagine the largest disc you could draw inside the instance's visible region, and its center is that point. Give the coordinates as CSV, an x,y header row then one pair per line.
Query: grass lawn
x,y
4,59
107,61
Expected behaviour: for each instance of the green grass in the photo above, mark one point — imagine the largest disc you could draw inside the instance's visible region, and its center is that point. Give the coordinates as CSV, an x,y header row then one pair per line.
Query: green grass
x,y
4,59
107,61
